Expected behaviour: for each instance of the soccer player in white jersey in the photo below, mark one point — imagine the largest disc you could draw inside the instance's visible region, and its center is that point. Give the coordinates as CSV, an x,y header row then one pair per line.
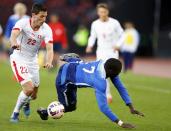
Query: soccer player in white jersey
x,y
108,32
26,37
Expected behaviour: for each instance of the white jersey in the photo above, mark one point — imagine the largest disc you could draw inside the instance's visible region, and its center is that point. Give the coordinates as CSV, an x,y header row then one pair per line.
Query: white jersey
x,y
31,40
131,40
107,34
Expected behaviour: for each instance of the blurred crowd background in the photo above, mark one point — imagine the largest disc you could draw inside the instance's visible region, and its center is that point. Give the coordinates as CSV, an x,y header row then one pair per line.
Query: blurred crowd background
x,y
73,18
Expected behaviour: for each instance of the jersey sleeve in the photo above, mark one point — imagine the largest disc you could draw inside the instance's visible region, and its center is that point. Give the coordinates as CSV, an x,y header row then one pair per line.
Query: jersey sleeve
x,y
92,37
102,100
19,25
48,38
121,89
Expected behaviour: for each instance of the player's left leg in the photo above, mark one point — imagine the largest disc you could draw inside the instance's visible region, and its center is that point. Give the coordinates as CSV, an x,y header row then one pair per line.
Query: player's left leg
x,y
67,96
34,71
26,106
71,94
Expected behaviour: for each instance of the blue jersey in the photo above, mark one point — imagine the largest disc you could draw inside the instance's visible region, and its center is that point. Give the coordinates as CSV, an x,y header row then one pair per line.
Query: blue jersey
x,y
92,74
89,74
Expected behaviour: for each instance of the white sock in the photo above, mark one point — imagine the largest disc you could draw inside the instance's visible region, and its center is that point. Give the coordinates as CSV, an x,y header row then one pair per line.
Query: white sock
x,y
28,100
22,98
108,93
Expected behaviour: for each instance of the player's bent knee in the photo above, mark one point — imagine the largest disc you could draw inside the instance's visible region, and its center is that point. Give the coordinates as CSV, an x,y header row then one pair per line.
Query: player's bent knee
x,y
28,89
28,92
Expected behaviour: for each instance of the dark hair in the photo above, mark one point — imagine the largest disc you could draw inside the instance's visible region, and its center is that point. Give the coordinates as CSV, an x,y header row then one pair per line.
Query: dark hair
x,y
102,5
112,67
36,8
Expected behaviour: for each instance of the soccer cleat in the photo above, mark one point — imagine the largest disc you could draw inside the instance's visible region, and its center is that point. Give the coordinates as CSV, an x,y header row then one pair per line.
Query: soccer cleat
x,y
64,57
14,117
26,110
42,113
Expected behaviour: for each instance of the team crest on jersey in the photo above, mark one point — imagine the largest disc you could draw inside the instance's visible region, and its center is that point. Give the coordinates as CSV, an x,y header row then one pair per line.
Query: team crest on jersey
x,y
39,36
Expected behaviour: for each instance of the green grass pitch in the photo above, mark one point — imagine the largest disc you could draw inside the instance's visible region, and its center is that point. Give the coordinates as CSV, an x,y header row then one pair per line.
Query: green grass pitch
x,y
151,95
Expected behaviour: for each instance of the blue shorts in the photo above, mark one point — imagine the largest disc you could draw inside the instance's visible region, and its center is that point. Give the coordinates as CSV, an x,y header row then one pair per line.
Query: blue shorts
x,y
66,90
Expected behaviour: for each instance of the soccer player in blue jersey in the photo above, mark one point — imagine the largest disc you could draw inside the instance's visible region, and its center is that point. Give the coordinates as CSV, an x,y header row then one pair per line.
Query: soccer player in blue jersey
x,y
77,74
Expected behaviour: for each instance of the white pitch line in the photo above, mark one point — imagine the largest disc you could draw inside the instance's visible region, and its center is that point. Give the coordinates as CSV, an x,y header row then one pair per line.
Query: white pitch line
x,y
143,87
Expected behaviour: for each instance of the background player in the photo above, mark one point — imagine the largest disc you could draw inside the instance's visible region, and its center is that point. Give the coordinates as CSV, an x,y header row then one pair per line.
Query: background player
x,y
25,39
19,12
108,32
130,45
60,42
77,73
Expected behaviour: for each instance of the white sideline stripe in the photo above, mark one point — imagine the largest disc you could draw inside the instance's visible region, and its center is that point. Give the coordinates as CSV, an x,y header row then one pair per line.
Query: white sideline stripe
x,y
142,87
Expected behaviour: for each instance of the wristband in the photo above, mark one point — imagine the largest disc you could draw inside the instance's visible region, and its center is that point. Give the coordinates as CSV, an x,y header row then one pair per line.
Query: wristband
x,y
120,123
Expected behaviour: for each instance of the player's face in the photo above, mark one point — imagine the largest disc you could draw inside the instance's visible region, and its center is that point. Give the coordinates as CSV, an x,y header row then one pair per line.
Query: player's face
x,y
40,18
102,13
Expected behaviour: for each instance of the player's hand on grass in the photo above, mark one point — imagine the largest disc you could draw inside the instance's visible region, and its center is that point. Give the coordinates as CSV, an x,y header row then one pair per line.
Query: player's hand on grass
x,y
124,125
133,111
48,66
127,125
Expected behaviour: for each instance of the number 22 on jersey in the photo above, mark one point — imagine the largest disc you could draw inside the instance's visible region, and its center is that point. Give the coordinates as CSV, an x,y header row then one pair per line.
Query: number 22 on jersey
x,y
31,41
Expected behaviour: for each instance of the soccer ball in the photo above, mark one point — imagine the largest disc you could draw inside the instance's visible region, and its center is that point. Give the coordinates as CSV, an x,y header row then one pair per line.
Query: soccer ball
x,y
55,110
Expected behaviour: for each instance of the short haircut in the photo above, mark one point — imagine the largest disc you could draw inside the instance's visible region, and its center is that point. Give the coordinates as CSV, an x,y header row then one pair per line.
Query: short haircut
x,y
36,8
113,67
102,5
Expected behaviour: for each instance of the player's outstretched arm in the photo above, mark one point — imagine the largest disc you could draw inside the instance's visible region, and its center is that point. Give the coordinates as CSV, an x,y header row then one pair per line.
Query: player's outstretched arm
x,y
121,89
102,103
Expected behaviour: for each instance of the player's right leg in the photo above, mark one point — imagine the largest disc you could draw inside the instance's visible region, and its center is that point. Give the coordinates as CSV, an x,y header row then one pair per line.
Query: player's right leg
x,y
22,99
20,71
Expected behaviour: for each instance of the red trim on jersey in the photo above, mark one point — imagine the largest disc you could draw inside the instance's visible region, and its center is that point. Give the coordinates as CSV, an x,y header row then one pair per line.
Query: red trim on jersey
x,y
16,71
16,29
51,42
